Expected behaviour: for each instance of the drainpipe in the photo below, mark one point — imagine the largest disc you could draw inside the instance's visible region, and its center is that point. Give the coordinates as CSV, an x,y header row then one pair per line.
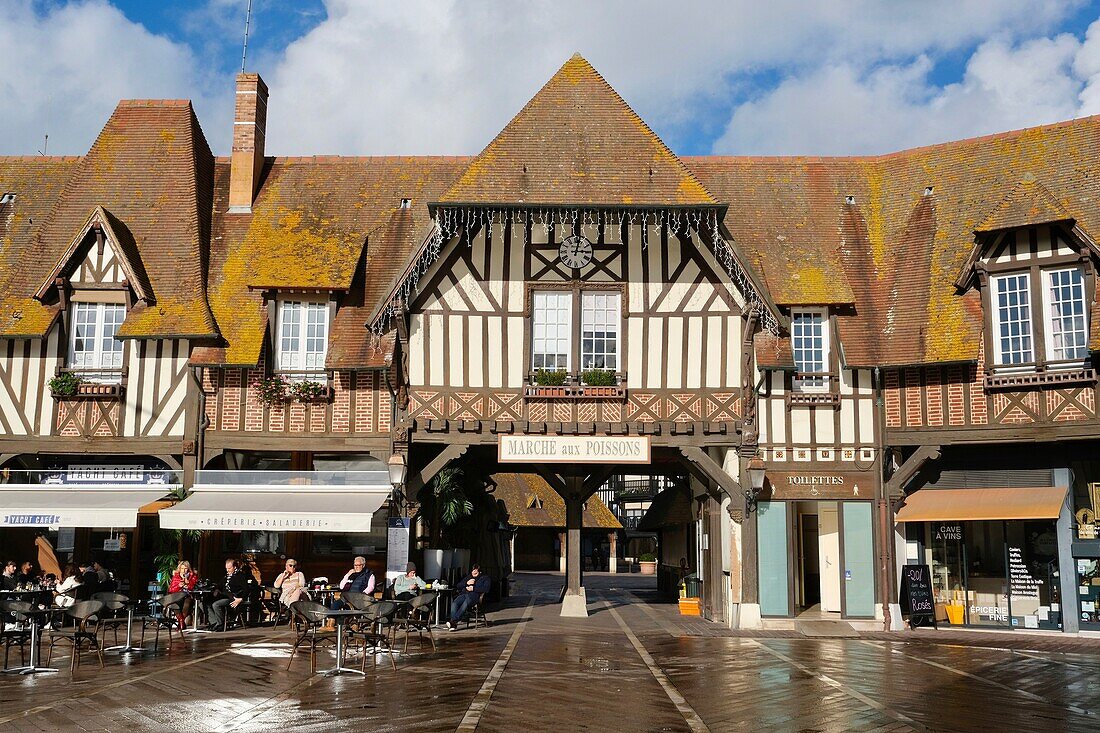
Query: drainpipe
x,y
204,420
886,531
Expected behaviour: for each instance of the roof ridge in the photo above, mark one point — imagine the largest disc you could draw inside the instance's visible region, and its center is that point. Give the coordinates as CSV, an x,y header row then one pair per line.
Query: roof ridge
x,y
874,157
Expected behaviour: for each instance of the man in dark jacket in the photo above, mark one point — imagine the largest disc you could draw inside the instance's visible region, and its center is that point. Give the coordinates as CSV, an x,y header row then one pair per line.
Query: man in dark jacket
x,y
470,591
232,594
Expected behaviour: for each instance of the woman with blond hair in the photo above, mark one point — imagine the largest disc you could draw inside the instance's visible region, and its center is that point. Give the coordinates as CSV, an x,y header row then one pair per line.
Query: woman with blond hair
x,y
291,582
183,580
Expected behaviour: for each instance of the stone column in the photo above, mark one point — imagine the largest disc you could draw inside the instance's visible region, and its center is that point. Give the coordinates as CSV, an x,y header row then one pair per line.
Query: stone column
x,y
562,546
613,553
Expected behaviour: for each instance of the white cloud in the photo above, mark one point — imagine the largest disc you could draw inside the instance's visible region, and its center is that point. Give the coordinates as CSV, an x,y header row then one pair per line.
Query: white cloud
x,y
63,71
838,109
445,76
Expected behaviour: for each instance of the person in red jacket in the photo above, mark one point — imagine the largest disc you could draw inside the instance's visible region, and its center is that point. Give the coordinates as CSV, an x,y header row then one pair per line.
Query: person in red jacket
x,y
184,579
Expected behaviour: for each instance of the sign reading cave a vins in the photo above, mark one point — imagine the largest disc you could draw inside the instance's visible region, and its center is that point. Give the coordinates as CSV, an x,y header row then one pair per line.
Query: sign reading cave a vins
x,y
573,449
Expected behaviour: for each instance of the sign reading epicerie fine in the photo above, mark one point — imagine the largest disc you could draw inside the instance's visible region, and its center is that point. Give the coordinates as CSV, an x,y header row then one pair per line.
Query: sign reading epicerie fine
x,y
821,484
573,449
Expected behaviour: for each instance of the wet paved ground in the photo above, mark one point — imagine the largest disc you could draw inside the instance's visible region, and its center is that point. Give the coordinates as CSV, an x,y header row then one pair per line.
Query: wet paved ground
x,y
631,666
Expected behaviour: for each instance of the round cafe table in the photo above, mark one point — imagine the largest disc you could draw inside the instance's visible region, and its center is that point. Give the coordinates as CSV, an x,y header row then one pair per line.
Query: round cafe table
x,y
128,647
32,616
341,617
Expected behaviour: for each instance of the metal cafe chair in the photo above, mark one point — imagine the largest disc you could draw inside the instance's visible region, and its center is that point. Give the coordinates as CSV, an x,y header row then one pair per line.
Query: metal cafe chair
x,y
357,600
114,613
372,634
18,635
86,615
170,605
475,614
309,623
419,619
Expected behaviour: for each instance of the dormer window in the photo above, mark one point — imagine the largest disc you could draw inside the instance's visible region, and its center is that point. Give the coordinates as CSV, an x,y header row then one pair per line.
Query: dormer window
x,y
810,348
94,352
1055,334
302,338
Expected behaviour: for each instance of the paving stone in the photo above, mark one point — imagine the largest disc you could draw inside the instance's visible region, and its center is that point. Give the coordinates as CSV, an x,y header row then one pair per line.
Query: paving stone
x,y
584,674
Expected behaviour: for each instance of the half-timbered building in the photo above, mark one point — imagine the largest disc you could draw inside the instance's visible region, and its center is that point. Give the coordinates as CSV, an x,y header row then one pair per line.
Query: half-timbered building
x,y
842,365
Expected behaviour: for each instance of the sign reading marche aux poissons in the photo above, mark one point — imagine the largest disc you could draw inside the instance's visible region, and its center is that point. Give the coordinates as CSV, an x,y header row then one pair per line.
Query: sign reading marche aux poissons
x,y
573,449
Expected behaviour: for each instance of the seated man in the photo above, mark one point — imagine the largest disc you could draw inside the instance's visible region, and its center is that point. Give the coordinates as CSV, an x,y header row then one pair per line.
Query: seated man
x,y
408,585
470,591
232,594
358,580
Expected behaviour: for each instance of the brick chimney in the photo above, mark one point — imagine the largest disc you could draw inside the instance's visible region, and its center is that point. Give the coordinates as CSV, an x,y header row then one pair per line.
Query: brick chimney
x,y
249,131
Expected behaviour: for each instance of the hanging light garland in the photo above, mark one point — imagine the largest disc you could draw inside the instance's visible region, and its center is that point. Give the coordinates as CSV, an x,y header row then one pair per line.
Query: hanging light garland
x,y
449,222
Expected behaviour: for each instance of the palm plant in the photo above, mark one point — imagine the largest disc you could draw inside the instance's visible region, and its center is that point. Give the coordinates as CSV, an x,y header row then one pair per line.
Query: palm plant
x,y
170,543
449,502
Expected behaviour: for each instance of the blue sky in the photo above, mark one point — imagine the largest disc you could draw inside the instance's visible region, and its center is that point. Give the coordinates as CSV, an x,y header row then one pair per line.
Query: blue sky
x,y
443,76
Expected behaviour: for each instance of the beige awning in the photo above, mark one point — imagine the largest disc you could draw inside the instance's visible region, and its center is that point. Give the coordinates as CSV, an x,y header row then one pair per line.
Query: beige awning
x,y
961,505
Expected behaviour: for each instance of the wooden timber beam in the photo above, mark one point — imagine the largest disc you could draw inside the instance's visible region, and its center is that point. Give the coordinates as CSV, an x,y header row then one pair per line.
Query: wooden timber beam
x,y
708,467
598,478
906,471
437,464
557,483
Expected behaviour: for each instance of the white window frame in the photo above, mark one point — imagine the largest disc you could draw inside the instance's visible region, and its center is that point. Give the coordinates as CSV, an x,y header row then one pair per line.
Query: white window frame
x,y
1050,319
294,360
613,314
98,358
996,321
539,323
812,384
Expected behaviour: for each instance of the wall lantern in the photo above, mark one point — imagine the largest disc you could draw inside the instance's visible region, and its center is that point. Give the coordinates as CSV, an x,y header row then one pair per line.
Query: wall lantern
x,y
755,469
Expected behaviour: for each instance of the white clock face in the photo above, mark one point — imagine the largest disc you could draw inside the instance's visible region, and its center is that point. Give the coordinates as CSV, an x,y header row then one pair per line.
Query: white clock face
x,y
575,252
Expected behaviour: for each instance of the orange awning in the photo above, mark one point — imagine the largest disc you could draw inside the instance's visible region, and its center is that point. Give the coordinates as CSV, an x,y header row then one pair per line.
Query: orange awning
x,y
961,505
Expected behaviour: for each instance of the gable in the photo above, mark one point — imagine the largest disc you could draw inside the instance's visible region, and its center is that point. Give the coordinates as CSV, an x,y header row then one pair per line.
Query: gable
x,y
102,253
578,143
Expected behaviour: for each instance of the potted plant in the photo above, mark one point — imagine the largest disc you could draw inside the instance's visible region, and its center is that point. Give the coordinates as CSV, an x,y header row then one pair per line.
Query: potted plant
x,y
273,390
65,384
308,391
600,383
550,383
648,563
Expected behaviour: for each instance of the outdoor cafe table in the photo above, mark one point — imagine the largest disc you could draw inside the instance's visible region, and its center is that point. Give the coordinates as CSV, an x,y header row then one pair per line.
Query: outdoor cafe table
x,y
128,647
340,617
33,667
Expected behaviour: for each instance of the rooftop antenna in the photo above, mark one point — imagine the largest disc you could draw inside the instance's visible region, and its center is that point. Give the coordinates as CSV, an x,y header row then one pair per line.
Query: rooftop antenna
x,y
45,144
247,20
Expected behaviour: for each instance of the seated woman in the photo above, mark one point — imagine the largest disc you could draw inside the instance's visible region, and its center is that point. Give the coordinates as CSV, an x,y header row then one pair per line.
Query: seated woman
x,y
183,580
291,583
67,589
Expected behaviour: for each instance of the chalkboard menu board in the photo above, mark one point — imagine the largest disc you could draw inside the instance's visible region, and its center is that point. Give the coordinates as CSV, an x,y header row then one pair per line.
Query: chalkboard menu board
x,y
916,595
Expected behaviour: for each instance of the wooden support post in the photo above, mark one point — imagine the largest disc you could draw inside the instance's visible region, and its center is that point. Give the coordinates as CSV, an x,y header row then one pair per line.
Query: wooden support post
x,y
574,602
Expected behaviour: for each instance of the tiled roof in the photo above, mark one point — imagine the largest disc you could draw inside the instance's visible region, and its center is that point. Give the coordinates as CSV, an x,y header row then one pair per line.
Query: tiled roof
x,y
889,258
517,491
577,143
37,182
1028,203
307,230
387,245
670,507
147,167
